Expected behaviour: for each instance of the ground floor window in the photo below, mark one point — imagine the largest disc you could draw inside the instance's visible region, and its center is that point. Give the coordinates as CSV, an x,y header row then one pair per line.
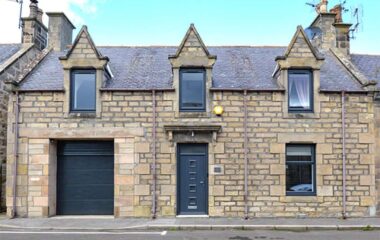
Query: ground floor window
x,y
300,169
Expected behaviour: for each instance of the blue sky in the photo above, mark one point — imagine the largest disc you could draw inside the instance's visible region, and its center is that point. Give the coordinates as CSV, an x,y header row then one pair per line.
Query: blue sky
x,y
219,22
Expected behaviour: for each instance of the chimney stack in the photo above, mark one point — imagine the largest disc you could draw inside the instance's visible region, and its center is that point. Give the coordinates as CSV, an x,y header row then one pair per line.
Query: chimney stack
x,y
60,31
335,33
33,30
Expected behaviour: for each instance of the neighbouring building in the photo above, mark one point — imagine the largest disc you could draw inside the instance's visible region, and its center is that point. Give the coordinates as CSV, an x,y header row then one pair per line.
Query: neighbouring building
x,y
16,61
236,131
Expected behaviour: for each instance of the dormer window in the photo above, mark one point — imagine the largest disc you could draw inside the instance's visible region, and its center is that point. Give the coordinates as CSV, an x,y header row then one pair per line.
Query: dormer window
x,y
83,91
300,91
192,84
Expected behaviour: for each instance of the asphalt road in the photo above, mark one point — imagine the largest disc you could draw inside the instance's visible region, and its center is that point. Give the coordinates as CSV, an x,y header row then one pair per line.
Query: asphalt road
x,y
217,235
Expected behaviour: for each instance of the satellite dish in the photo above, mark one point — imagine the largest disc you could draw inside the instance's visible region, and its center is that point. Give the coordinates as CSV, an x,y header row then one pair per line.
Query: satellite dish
x,y
313,32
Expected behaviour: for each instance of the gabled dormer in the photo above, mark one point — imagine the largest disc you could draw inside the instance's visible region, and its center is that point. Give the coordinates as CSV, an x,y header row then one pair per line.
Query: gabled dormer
x,y
84,70
298,71
192,75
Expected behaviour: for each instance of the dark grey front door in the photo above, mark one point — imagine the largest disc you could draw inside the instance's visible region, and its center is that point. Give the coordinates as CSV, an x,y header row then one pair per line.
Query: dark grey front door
x,y
192,180
85,178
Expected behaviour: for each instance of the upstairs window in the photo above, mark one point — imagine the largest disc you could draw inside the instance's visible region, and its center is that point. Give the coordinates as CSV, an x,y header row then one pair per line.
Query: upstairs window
x,y
192,92
300,170
300,91
83,91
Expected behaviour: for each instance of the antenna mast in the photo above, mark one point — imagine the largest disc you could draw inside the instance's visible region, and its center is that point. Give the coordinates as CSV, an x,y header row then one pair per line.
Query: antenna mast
x,y
19,19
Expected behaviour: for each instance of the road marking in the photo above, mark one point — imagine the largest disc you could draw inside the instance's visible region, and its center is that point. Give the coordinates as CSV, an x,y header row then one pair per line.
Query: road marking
x,y
163,233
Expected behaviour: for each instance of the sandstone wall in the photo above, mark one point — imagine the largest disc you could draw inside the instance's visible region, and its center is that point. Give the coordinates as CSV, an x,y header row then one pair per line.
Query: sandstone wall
x,y
269,129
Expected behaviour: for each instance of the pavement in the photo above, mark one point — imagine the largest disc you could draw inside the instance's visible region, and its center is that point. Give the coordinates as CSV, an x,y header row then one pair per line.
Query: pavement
x,y
194,235
107,223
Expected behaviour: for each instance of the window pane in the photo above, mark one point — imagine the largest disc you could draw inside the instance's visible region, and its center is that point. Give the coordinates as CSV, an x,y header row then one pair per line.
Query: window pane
x,y
298,150
299,178
299,91
192,90
84,91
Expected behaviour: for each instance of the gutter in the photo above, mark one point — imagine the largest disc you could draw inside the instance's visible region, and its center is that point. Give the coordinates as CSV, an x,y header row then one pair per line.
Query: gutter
x,y
134,89
245,157
245,89
15,156
154,168
344,213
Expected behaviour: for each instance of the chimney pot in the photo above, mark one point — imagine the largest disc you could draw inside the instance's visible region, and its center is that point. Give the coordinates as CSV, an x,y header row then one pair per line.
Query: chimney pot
x,y
337,9
40,13
33,7
322,7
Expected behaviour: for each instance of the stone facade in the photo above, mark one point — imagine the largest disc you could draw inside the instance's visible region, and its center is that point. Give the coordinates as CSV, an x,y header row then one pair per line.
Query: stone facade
x,y
42,121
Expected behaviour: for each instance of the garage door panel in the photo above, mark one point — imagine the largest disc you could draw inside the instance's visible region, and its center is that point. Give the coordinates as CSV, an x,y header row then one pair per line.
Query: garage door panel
x,y
85,178
86,162
86,192
88,207
88,177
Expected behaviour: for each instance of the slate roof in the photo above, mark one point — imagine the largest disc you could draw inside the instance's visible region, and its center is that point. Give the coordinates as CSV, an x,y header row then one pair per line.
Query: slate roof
x,y
369,65
7,50
238,67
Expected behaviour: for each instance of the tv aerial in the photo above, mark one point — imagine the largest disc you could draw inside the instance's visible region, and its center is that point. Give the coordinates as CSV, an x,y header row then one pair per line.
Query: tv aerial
x,y
20,15
356,19
355,12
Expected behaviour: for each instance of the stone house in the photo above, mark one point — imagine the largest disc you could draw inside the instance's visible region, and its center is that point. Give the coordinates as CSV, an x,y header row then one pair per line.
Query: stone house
x,y
235,131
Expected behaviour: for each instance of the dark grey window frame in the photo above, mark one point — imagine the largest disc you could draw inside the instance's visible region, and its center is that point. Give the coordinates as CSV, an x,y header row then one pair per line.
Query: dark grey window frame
x,y
192,109
311,89
72,87
313,171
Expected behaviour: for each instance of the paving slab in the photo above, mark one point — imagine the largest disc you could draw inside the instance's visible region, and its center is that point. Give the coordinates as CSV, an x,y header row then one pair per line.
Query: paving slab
x,y
117,224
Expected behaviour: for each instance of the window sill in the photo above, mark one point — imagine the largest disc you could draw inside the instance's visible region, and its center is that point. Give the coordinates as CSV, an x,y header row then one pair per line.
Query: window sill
x,y
299,199
82,115
306,115
193,115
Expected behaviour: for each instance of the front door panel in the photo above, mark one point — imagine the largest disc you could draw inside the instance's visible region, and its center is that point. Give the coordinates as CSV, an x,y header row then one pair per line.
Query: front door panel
x,y
192,179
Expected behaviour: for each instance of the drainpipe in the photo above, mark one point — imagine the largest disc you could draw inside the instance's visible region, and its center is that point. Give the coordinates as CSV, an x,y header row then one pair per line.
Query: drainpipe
x,y
154,171
245,157
344,214
15,156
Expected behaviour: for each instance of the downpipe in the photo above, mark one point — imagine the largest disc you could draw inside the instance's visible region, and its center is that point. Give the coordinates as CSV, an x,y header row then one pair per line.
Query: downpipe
x,y
245,157
15,156
344,213
154,168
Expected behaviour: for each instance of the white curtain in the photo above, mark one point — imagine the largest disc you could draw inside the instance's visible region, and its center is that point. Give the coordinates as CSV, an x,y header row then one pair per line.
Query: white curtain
x,y
300,83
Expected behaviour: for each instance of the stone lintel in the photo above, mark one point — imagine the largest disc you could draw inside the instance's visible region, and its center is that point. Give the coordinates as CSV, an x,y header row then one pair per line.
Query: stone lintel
x,y
88,133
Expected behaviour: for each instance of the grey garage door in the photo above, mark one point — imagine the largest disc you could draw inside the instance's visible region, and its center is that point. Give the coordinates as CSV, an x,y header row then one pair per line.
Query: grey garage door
x,y
85,178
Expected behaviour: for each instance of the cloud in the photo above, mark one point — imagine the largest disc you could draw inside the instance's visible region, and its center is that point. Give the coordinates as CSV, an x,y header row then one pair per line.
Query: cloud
x,y
9,14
